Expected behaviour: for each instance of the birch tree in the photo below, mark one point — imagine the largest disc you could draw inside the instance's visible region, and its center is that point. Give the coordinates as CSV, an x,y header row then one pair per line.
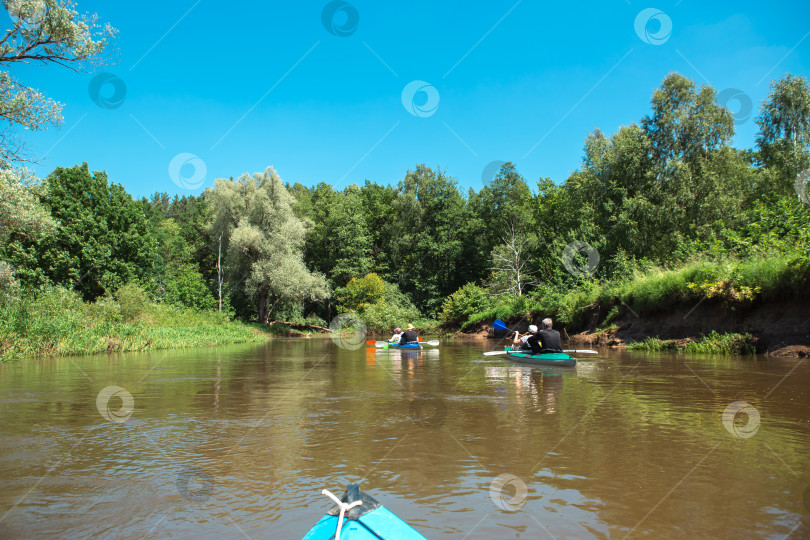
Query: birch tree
x,y
784,130
510,262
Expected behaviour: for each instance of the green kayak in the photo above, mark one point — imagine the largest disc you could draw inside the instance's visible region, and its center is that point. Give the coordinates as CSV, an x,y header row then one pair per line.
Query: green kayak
x,y
543,359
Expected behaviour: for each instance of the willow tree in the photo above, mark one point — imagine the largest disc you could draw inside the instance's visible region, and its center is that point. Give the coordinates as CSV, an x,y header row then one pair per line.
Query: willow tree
x,y
263,241
21,215
43,32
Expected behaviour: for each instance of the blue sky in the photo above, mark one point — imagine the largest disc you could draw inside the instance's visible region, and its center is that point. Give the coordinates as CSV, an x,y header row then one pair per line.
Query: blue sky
x,y
234,88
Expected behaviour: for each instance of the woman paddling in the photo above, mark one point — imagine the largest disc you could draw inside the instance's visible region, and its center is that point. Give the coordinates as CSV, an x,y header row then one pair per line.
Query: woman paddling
x,y
521,342
397,335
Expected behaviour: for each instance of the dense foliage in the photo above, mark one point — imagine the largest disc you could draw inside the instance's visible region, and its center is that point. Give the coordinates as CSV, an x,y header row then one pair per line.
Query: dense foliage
x,y
661,209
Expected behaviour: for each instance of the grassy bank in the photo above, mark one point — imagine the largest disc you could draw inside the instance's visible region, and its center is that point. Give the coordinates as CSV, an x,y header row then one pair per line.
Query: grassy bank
x,y
57,322
735,284
713,343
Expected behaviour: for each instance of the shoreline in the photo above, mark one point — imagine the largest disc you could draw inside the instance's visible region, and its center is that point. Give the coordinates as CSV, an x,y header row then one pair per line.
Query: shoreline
x,y
100,337
776,329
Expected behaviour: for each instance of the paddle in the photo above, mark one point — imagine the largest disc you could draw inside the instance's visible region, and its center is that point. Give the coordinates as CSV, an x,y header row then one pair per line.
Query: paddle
x,y
378,344
580,351
499,325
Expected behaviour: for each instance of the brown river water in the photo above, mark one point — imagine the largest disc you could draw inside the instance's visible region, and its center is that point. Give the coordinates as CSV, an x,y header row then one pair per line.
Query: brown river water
x,y
239,441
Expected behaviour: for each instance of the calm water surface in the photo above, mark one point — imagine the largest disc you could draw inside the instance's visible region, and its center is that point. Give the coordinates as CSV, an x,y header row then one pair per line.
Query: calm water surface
x,y
240,440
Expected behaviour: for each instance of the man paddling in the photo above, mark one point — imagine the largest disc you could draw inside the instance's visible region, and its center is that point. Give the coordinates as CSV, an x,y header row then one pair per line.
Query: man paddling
x,y
409,336
546,340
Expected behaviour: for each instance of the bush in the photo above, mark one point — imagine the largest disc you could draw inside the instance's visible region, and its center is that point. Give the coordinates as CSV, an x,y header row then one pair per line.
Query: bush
x,y
133,301
105,308
360,292
382,317
188,289
465,302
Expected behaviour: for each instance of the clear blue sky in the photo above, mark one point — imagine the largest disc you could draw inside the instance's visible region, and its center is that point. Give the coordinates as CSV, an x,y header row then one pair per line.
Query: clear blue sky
x,y
246,85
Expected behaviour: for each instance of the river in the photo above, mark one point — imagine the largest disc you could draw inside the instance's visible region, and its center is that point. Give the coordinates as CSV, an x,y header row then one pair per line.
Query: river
x,y
239,441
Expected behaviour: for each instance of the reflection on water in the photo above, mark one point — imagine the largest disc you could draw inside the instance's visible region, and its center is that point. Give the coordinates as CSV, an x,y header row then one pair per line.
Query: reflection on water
x,y
218,441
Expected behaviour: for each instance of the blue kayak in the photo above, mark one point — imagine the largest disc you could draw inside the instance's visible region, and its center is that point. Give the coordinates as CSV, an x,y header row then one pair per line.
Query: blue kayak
x,y
410,346
543,359
368,520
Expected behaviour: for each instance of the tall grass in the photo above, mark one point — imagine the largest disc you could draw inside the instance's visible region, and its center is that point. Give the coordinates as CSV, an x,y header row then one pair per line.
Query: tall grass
x,y
55,321
713,343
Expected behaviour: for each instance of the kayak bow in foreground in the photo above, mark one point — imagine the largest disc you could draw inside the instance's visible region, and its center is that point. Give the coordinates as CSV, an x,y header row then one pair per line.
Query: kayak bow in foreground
x,y
358,516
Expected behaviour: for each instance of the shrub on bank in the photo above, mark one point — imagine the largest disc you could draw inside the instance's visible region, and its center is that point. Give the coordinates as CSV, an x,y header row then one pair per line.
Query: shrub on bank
x,y
381,306
468,300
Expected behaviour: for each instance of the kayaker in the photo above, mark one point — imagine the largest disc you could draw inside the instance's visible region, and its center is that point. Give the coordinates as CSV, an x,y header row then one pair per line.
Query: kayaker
x,y
409,336
521,342
397,335
546,340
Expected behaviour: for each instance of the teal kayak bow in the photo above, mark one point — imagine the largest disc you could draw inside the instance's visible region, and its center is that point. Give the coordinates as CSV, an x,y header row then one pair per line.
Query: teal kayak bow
x,y
357,516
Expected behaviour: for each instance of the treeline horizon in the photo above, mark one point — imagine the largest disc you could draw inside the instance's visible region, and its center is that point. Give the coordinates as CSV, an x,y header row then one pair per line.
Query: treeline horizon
x,y
659,192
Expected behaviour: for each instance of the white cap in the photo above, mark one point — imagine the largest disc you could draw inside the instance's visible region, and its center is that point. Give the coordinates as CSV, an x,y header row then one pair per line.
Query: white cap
x,y
532,329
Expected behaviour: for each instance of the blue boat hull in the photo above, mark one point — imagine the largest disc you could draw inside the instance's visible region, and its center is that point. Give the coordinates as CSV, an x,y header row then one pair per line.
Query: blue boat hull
x,y
408,347
365,519
379,523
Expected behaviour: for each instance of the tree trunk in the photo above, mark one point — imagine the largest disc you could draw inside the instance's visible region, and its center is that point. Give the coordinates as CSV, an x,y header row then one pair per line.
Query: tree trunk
x,y
263,305
219,271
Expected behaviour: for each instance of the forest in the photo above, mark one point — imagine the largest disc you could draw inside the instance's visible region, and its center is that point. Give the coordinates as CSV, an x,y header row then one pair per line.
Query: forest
x,y
667,196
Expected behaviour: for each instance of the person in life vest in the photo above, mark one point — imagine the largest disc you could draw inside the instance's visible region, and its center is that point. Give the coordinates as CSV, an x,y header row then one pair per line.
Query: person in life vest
x,y
546,340
521,342
409,336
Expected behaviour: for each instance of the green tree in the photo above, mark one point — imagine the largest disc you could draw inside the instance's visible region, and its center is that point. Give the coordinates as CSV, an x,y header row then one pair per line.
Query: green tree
x,y
102,240
338,242
559,219
263,240
504,207
427,243
686,123
647,188
379,205
43,32
783,140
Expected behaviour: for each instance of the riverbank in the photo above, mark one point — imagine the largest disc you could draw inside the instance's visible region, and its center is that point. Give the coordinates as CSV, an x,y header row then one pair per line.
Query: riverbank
x,y
758,305
775,328
57,323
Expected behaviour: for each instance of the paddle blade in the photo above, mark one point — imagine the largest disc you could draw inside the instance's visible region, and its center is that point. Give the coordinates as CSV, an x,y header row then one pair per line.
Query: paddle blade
x,y
499,325
493,353
432,343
